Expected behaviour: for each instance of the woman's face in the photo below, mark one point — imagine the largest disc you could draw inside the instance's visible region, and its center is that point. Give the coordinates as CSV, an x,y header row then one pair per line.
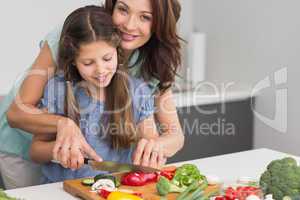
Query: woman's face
x,y
97,63
134,20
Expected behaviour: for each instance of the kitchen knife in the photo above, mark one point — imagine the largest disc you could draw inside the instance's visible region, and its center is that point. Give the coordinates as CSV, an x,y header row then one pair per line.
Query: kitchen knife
x,y
112,166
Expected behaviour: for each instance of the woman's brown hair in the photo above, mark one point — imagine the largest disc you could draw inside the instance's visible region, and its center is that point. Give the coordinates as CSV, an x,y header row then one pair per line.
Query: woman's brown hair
x,y
160,57
83,26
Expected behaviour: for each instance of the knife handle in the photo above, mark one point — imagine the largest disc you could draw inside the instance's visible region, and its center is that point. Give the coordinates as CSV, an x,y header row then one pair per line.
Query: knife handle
x,y
86,161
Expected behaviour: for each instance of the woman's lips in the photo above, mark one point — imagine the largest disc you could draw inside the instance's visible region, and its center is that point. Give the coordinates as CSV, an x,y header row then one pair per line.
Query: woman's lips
x,y
128,37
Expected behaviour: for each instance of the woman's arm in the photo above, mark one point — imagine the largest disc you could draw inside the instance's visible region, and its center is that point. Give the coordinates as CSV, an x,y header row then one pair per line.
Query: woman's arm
x,y
23,112
148,152
153,149
172,138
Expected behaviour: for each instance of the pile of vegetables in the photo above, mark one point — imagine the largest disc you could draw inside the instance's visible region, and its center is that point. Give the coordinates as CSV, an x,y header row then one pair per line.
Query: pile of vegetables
x,y
281,178
187,181
186,175
4,196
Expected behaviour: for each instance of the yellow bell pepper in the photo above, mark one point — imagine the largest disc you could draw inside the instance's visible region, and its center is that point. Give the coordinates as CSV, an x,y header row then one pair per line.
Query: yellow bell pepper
x,y
122,196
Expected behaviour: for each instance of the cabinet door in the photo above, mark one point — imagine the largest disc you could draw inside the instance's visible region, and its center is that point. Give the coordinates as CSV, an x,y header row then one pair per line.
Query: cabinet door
x,y
215,129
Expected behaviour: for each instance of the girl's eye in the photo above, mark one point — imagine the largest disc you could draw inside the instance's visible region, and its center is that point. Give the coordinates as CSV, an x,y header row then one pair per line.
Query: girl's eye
x,y
88,64
146,18
107,59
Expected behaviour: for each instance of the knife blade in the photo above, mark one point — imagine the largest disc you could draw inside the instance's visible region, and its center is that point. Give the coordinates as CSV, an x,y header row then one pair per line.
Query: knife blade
x,y
112,166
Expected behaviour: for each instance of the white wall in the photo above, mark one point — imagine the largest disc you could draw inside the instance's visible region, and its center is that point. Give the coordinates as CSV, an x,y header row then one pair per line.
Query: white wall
x,y
23,25
247,41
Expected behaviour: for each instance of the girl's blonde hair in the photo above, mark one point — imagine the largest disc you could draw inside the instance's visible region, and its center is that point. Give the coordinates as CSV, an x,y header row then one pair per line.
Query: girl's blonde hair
x,y
85,25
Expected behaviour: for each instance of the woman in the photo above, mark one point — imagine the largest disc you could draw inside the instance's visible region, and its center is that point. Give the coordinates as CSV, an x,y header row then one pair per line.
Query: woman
x,y
151,44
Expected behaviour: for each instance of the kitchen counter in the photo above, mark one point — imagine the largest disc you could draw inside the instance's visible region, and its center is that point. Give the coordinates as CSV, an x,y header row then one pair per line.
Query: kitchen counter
x,y
212,96
228,167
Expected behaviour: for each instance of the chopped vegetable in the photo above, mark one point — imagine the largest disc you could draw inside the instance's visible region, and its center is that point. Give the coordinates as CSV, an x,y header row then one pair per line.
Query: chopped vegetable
x,y
122,196
164,186
195,194
138,178
105,176
136,193
241,192
281,178
106,184
88,181
191,187
105,193
186,175
168,174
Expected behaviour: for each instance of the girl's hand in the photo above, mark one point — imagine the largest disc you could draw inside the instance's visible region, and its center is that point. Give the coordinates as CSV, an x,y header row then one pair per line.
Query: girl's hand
x,y
70,146
149,152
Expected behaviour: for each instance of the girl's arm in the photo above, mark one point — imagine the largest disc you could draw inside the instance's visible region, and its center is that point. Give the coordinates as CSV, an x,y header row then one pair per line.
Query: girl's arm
x,y
41,152
24,114
41,148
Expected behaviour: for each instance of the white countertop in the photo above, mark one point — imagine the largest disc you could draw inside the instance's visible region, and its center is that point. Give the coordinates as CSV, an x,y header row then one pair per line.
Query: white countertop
x,y
228,167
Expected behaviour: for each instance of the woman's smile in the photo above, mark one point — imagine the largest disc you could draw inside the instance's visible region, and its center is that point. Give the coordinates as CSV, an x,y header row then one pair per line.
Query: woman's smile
x,y
128,37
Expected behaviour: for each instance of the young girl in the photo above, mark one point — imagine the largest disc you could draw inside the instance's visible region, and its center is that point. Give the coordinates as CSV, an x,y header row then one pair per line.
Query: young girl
x,y
94,91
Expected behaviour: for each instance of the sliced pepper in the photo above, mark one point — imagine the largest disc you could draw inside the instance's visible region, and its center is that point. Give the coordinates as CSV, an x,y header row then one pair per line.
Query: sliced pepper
x,y
122,196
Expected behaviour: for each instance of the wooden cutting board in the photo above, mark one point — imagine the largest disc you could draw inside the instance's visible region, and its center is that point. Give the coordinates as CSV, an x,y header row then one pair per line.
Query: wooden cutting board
x,y
75,188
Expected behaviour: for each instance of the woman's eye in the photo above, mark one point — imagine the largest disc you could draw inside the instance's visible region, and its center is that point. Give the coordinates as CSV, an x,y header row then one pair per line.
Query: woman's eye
x,y
146,18
122,9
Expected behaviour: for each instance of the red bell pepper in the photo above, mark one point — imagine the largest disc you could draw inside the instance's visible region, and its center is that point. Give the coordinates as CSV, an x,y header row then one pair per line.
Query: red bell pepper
x,y
138,178
104,193
168,173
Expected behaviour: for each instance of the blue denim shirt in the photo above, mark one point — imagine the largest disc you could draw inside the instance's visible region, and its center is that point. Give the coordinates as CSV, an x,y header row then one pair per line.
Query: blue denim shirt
x,y
90,117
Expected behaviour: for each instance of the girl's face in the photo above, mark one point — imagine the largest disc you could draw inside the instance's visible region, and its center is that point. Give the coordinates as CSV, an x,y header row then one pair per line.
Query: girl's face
x,y
134,20
97,63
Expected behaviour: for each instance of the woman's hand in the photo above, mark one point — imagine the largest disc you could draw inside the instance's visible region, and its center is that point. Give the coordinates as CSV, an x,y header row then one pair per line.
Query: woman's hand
x,y
71,147
149,152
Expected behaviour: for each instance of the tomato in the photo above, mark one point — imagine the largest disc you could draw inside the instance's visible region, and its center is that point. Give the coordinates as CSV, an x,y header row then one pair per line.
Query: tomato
x,y
220,198
241,192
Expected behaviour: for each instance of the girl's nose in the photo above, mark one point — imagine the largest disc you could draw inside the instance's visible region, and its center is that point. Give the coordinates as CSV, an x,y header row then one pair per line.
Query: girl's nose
x,y
100,69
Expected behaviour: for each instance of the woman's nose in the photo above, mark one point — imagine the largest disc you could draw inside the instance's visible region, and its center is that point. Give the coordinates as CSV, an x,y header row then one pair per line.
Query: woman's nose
x,y
131,23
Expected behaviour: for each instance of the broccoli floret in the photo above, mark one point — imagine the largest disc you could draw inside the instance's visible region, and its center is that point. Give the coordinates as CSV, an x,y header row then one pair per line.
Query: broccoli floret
x,y
289,162
282,178
164,187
